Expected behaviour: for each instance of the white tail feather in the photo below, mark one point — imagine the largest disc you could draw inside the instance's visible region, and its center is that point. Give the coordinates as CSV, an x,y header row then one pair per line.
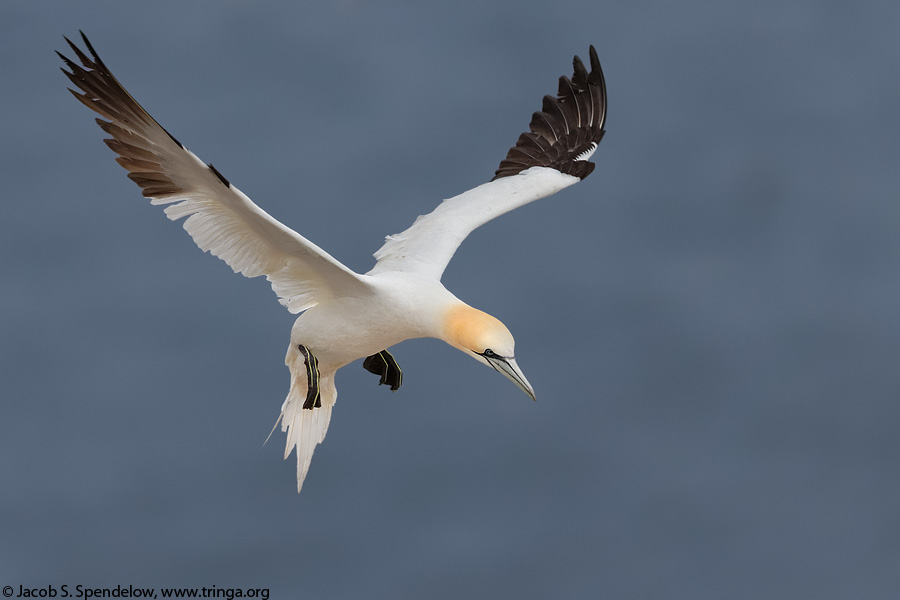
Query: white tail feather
x,y
305,428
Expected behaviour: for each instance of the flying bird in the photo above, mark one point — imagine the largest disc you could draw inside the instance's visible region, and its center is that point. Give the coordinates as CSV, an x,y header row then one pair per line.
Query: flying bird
x,y
345,316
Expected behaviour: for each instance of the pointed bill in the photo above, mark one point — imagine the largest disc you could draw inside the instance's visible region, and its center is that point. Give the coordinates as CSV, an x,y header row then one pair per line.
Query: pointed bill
x,y
511,370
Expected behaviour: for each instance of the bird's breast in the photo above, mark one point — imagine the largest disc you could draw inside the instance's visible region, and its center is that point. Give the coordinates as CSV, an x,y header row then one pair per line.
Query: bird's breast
x,y
346,329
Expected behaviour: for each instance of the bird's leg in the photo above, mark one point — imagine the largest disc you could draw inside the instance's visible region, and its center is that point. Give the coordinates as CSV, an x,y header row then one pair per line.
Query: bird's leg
x,y
384,364
313,399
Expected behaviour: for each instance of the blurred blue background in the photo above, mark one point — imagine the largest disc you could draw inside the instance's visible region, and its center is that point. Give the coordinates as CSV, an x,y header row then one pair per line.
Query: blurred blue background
x,y
710,320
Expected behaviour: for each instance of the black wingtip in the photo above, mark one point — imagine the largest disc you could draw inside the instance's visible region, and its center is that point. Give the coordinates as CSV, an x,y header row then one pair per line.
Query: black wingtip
x,y
569,126
595,60
87,42
64,59
71,45
579,74
596,77
94,55
95,66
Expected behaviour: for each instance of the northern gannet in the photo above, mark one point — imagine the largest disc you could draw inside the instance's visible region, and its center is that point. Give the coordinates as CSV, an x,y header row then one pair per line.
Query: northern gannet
x,y
345,316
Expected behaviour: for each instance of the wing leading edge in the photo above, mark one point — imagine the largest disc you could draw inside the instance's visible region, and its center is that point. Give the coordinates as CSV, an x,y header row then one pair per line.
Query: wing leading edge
x,y
220,218
549,157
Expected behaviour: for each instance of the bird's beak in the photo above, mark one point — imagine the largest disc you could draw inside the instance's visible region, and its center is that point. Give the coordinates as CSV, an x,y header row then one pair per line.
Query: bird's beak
x,y
510,369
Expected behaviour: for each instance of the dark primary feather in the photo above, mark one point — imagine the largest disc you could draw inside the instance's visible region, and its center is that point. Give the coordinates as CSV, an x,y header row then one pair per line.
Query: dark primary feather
x,y
567,126
219,218
130,126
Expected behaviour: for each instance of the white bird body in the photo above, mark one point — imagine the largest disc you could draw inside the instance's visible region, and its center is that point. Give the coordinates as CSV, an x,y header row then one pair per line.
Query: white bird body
x,y
394,307
345,316
402,297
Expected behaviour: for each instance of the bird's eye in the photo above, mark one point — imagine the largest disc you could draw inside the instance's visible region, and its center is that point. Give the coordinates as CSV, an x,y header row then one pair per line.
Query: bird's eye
x,y
490,354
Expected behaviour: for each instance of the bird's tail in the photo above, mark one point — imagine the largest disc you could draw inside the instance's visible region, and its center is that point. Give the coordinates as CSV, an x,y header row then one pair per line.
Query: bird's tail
x,y
305,428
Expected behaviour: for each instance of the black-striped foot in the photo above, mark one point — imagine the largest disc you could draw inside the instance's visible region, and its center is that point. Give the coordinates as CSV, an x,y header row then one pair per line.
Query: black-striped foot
x,y
384,364
313,399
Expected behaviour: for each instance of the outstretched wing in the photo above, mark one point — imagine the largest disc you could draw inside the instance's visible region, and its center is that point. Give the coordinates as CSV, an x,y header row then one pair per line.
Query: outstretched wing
x,y
220,218
551,156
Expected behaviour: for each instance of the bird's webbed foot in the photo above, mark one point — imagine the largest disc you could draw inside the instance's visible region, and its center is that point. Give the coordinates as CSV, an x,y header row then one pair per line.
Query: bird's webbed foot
x,y
313,399
384,364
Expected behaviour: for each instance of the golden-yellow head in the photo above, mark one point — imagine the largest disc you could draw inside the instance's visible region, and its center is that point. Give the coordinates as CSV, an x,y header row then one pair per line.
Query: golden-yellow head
x,y
486,339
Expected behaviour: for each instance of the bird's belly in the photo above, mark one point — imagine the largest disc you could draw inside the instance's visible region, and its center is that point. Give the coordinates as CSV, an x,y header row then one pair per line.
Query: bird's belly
x,y
345,331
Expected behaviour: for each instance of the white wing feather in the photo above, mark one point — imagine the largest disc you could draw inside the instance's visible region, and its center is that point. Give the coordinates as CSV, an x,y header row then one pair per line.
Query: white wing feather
x,y
551,156
220,218
427,247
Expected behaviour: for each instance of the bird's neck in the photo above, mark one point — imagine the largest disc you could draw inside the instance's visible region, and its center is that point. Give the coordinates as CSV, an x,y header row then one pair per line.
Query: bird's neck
x,y
462,326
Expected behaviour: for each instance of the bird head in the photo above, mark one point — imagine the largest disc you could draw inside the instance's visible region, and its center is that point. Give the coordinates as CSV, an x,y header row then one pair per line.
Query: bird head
x,y
485,339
